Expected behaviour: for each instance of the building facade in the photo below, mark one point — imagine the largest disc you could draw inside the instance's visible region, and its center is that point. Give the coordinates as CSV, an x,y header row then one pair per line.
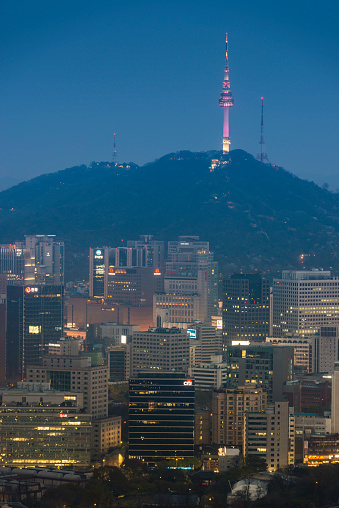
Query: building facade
x,y
161,416
246,309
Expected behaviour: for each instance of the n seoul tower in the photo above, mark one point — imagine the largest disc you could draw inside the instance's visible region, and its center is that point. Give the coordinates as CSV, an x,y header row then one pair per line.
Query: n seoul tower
x,y
226,102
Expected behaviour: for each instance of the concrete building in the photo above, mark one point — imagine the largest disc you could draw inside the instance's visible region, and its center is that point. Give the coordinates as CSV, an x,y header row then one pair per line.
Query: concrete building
x,y
335,399
110,334
326,349
303,301
211,375
271,435
40,426
304,350
161,416
228,410
267,366
66,346
76,374
149,253
160,349
206,340
190,273
119,362
134,285
246,309
202,428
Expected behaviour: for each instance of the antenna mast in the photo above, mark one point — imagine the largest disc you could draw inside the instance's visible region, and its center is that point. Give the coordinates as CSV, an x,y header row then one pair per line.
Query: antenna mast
x,y
262,156
114,150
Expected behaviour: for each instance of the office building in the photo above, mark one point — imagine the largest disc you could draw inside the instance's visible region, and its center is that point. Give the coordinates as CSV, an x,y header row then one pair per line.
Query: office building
x,y
134,285
304,351
76,374
160,349
303,301
12,262
202,428
267,366
98,271
335,399
39,426
271,435
110,334
118,361
246,309
66,346
34,319
149,253
326,349
191,274
48,259
206,340
161,416
228,409
211,375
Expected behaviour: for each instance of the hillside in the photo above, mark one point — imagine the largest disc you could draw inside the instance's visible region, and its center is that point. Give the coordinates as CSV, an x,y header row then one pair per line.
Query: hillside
x,y
256,216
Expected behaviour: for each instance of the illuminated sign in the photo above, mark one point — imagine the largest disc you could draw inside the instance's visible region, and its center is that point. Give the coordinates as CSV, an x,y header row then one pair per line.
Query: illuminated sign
x,y
192,333
157,272
31,290
98,252
63,415
240,342
219,324
34,329
123,339
188,383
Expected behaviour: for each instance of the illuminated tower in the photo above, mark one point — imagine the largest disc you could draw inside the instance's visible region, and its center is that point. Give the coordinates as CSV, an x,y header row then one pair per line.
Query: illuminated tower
x,y
226,102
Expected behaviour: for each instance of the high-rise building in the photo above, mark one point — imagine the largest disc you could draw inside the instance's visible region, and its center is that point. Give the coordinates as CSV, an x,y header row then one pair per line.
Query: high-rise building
x,y
304,351
134,286
160,349
190,283
161,416
149,253
303,301
228,410
267,366
34,319
76,374
37,260
209,375
246,309
335,399
271,435
106,261
326,349
206,341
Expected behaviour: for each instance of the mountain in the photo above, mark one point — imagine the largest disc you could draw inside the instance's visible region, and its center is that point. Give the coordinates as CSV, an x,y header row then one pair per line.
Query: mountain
x,y
256,216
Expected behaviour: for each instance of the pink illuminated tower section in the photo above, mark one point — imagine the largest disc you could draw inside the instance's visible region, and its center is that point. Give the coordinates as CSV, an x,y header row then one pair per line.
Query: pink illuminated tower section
x,y
226,102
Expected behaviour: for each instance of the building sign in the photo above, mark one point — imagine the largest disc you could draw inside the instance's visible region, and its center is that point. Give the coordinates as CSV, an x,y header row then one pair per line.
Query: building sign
x,y
188,383
29,289
192,333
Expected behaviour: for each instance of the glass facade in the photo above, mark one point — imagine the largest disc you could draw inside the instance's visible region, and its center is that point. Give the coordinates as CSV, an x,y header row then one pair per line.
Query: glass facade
x,y
161,416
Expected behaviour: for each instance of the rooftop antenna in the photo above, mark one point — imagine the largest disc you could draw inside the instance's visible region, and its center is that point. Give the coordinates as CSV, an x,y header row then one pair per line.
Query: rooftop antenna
x,y
262,156
114,150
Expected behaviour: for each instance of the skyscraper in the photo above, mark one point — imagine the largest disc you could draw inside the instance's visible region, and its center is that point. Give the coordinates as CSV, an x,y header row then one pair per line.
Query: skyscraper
x,y
246,308
34,319
161,416
303,301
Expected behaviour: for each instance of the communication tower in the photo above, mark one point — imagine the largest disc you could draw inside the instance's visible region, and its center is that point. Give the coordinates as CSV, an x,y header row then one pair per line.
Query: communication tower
x,y
262,156
226,102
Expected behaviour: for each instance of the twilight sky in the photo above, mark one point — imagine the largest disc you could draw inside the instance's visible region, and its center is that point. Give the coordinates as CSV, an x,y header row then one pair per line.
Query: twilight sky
x,y
74,72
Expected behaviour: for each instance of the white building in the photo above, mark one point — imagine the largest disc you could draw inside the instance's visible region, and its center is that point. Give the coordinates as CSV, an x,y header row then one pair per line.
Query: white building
x,y
303,301
209,376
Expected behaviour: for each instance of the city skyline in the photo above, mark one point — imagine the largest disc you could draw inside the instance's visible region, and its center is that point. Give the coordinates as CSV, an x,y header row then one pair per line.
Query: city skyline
x,y
86,72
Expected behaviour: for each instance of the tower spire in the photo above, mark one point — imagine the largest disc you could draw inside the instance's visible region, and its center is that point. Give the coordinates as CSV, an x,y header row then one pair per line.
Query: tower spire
x,y
114,150
262,156
226,102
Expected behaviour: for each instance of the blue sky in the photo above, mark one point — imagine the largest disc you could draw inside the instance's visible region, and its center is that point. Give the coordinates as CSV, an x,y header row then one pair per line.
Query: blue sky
x,y
73,73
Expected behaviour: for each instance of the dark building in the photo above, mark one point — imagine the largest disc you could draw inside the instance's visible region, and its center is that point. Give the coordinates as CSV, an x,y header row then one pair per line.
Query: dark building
x,y
161,416
268,366
134,286
98,260
118,358
34,318
246,308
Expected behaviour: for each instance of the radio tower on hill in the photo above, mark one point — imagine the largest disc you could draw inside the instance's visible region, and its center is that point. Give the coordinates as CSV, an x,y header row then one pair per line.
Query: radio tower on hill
x,y
262,156
226,102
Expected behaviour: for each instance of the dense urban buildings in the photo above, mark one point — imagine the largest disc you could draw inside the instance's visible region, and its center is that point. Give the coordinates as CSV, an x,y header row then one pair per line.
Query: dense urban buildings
x,y
303,301
246,309
161,416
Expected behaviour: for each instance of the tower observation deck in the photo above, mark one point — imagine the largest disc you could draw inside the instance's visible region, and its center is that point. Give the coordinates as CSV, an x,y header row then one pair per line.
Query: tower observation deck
x,y
226,102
